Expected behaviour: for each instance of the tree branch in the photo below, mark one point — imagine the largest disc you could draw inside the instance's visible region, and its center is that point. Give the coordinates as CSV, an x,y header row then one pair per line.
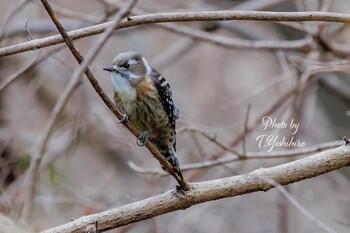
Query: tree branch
x,y
248,156
180,17
170,201
13,77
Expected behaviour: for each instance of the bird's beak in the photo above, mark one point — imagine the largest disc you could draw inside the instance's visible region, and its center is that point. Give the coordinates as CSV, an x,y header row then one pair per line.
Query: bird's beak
x,y
109,69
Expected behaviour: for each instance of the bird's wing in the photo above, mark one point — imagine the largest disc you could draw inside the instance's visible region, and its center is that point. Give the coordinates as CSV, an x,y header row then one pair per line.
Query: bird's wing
x,y
166,97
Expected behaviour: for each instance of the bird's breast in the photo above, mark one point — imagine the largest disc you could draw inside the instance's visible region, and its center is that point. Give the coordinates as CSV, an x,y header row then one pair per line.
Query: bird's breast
x,y
123,88
142,105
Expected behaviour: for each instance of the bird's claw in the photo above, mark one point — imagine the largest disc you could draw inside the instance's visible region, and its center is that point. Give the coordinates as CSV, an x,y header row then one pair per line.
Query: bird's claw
x,y
141,141
125,118
178,191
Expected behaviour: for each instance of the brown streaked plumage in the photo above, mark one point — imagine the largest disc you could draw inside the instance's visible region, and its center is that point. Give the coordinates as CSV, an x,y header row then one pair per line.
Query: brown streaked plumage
x,y
146,98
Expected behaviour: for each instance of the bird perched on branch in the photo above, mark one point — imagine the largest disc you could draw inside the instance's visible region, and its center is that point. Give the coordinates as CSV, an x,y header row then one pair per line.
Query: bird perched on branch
x,y
144,97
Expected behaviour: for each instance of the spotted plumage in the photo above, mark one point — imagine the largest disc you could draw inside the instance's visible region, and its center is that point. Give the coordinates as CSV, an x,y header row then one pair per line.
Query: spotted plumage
x,y
145,97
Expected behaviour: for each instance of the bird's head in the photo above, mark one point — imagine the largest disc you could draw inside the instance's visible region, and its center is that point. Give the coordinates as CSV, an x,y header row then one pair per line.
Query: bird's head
x,y
129,65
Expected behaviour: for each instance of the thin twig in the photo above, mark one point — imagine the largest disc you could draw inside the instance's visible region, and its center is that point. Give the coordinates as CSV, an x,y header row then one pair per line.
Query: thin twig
x,y
280,101
236,43
180,17
40,26
28,30
25,68
249,156
214,140
297,205
11,15
74,14
246,122
29,67
272,84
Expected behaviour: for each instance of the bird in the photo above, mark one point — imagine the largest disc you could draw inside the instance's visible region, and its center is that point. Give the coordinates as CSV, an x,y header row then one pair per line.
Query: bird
x,y
144,98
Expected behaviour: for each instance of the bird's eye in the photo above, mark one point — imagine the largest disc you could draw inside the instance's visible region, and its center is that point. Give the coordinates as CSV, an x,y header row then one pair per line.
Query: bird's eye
x,y
126,65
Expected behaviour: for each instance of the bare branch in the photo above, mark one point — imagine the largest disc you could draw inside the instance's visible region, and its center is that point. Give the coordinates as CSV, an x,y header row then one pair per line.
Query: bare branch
x,y
40,26
213,139
169,201
180,17
37,61
249,156
28,30
10,16
246,122
280,101
74,14
299,206
302,44
13,77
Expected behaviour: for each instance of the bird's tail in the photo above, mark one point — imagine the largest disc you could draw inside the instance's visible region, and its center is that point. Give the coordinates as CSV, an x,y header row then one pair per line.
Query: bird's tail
x,y
171,157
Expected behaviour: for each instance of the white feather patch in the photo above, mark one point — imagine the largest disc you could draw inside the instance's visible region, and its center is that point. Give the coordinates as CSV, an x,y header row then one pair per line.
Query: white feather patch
x,y
123,87
132,62
164,83
148,68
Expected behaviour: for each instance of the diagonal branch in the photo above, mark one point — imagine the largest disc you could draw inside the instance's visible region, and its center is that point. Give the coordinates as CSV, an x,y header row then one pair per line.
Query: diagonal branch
x,y
300,207
12,78
180,17
169,201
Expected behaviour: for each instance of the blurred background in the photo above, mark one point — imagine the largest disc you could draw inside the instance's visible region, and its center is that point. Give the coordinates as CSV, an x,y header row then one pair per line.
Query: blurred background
x,y
288,71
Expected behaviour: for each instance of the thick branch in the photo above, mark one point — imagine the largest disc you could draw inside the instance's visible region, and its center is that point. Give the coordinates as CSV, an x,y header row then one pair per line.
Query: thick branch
x,y
212,190
180,17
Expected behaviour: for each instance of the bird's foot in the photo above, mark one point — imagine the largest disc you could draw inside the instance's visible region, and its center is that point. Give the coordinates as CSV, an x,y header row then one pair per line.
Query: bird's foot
x,y
125,118
142,140
178,191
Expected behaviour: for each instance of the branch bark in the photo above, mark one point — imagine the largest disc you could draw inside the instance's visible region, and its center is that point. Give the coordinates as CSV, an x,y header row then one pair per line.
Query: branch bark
x,y
179,17
170,201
